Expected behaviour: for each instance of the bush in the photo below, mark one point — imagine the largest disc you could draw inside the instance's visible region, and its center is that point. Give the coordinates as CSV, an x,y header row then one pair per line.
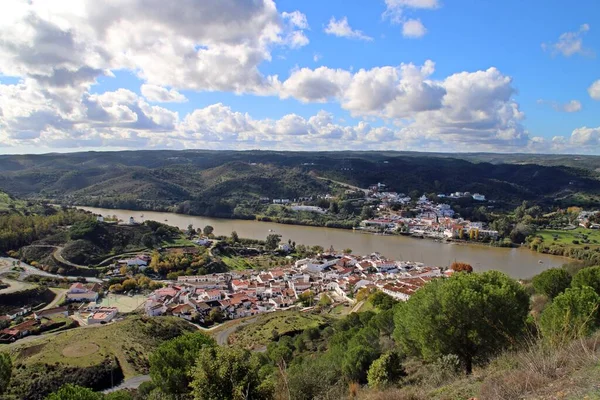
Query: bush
x,y
571,315
588,277
552,282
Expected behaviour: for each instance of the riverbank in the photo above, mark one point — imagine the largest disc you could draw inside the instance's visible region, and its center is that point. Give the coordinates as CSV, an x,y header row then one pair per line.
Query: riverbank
x,y
516,262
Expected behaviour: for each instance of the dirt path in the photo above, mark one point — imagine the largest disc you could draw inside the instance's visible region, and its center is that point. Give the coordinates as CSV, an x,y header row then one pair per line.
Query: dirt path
x,y
15,286
347,185
60,294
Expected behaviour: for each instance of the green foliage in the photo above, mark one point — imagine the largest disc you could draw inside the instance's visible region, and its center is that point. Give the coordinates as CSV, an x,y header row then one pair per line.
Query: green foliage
x,y
473,316
74,392
572,314
552,282
356,362
272,241
307,298
88,229
223,373
382,301
171,363
5,371
118,395
386,370
588,277
208,230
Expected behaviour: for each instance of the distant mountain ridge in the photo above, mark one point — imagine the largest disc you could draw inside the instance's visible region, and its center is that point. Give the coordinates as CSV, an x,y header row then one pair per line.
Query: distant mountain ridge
x,y
164,178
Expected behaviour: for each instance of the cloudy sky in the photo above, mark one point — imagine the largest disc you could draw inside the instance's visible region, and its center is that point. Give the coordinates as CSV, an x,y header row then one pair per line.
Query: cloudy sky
x,y
426,75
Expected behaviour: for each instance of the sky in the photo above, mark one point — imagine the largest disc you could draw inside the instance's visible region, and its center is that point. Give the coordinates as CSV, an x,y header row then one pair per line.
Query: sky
x,y
507,76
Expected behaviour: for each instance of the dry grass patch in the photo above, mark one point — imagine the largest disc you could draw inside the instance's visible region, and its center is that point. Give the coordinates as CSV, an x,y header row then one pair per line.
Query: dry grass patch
x,y
81,349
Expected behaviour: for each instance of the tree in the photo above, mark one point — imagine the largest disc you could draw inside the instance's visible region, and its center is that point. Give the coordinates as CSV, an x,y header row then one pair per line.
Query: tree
x,y
588,277
347,251
155,261
307,298
123,270
552,282
129,284
386,370
473,316
226,373
366,213
334,207
572,314
325,300
461,267
118,395
234,237
272,241
190,231
173,360
148,240
356,362
74,392
381,300
208,230
5,371
215,315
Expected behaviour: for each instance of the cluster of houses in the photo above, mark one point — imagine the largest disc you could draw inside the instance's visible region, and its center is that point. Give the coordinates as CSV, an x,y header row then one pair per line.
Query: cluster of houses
x,y
25,321
426,219
238,294
584,219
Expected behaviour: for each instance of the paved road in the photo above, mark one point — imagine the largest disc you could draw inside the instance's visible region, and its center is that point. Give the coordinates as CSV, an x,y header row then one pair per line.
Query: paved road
x,y
6,266
58,255
357,306
223,336
132,383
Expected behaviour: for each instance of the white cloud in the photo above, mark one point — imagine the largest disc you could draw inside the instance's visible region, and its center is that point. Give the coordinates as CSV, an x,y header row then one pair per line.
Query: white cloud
x,y
395,8
594,90
206,45
570,107
158,94
586,136
319,85
317,57
413,28
569,43
341,28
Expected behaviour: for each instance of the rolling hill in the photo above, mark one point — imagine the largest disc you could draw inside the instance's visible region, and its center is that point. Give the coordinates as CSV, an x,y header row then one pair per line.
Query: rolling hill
x,y
214,182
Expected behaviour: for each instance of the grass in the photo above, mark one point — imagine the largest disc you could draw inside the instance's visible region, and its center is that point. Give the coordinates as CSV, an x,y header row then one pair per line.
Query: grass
x,y
6,203
582,236
179,242
534,372
261,332
130,341
262,262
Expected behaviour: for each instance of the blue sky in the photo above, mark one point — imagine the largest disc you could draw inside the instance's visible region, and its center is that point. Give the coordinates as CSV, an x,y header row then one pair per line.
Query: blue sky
x,y
461,75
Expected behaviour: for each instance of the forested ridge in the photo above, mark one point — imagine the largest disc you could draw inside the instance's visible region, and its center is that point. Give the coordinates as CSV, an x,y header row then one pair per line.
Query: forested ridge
x,y
215,182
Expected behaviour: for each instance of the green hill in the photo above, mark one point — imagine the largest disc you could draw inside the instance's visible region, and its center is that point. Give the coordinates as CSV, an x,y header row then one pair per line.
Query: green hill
x,y
89,356
215,182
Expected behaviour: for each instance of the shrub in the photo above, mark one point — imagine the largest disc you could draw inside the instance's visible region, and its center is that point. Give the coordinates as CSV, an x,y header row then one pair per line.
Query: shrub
x,y
552,282
571,315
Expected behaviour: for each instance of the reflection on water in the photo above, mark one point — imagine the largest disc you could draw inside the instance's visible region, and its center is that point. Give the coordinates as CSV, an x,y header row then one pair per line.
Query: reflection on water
x,y
518,263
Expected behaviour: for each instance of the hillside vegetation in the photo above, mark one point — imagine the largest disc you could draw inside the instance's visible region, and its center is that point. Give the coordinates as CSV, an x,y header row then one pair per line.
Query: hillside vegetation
x,y
215,183
88,356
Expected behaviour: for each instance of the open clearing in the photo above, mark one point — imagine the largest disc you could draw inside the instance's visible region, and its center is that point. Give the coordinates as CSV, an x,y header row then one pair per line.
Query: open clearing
x,y
124,303
582,237
80,349
261,332
15,286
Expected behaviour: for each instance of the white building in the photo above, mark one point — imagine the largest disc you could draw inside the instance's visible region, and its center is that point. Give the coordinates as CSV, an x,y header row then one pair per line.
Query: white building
x,y
478,197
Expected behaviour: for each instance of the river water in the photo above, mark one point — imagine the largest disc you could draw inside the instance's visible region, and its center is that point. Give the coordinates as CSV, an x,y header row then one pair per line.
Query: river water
x,y
518,263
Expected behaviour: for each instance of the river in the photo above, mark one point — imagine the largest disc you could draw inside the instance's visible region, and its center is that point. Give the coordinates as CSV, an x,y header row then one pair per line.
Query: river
x,y
518,263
